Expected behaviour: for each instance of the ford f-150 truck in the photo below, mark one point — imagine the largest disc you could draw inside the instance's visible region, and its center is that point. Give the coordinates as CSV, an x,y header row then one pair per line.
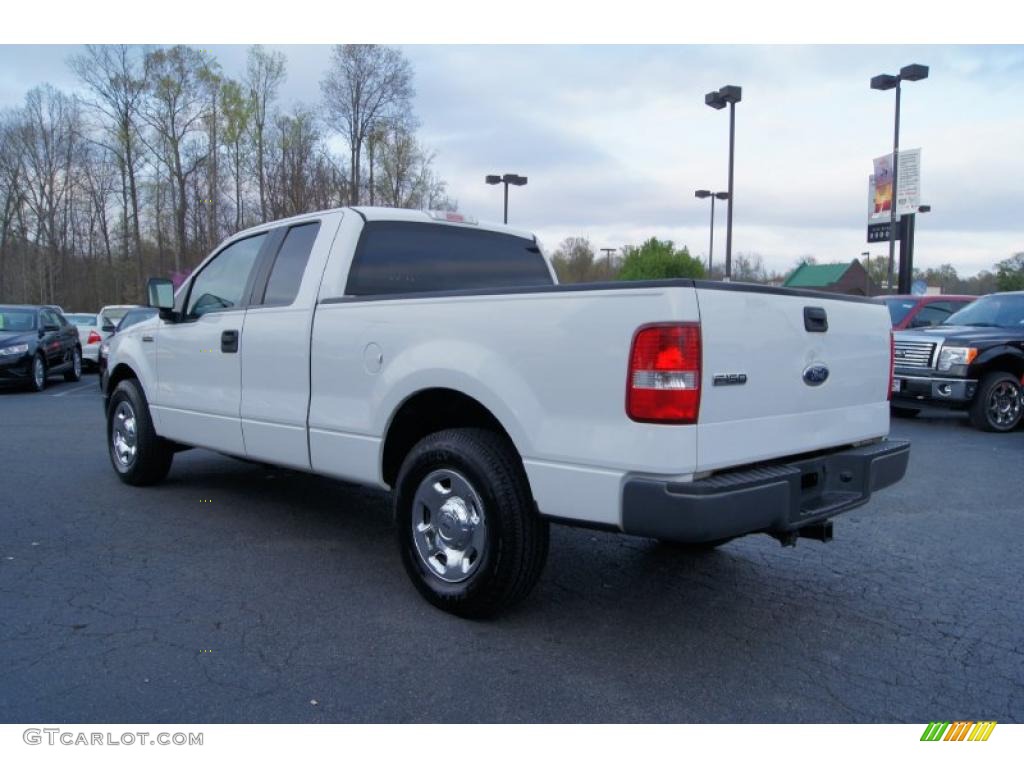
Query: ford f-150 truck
x,y
973,361
439,358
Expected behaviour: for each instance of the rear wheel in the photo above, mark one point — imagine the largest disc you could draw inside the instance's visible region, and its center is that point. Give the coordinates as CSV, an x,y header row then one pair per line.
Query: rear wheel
x,y
75,374
997,405
37,375
139,455
470,537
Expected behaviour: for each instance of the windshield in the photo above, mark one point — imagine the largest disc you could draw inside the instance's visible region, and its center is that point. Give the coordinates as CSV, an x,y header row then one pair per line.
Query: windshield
x,y
899,309
115,313
135,316
82,320
14,320
1000,310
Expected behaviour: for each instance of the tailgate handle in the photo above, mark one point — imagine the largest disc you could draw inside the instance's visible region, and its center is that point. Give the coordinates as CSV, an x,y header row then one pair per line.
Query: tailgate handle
x,y
815,319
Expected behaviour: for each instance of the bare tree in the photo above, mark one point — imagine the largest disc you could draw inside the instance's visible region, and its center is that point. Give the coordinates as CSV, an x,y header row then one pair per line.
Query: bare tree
x,y
366,86
407,178
164,153
237,114
174,110
47,139
117,85
264,74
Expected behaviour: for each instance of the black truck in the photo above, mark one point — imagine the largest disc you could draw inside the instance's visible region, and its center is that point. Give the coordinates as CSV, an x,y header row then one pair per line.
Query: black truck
x,y
973,361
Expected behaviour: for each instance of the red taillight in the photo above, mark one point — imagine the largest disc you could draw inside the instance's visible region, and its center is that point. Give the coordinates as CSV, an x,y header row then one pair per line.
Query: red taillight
x,y
892,364
664,374
94,338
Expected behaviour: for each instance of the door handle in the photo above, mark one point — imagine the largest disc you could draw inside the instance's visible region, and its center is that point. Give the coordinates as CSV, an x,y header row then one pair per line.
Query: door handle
x,y
229,341
815,319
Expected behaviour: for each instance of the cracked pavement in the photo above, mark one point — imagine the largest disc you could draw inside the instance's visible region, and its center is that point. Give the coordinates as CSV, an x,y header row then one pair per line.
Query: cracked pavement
x,y
144,605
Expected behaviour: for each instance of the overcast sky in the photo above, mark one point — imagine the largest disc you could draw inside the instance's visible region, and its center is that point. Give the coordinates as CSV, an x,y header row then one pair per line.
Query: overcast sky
x,y
615,139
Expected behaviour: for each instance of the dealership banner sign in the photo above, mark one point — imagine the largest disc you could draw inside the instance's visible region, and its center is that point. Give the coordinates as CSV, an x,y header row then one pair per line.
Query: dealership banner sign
x,y
880,192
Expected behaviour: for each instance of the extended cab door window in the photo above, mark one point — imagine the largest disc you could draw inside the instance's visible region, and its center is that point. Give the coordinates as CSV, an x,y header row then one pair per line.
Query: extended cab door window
x,y
290,265
222,283
409,257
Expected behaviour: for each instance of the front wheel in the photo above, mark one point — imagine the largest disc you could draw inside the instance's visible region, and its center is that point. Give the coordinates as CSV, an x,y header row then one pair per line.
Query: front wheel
x,y
469,534
997,405
37,375
139,455
75,374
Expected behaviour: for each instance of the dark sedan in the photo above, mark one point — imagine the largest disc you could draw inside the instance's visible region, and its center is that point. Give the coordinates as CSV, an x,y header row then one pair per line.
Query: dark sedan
x,y
36,342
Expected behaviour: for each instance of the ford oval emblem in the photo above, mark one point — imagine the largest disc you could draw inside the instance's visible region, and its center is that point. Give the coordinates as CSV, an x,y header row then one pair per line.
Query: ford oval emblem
x,y
815,375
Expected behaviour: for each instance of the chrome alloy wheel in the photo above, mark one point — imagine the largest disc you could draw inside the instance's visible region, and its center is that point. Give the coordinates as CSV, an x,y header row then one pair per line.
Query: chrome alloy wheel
x,y
124,437
39,372
1004,404
448,525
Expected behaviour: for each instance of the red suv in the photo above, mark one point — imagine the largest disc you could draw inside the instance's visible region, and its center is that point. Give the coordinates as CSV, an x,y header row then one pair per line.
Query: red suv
x,y
909,311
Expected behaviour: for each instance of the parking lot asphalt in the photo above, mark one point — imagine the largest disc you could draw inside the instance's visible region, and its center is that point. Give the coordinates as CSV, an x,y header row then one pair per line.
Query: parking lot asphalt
x,y
235,593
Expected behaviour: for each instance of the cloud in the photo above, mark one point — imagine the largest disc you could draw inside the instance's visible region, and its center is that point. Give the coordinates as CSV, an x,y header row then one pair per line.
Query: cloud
x,y
615,139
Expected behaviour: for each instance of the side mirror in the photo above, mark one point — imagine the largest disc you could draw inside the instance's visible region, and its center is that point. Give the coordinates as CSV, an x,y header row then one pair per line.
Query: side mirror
x,y
160,295
160,292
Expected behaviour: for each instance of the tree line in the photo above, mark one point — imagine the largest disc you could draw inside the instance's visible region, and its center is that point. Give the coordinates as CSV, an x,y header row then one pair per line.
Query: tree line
x,y
160,154
576,261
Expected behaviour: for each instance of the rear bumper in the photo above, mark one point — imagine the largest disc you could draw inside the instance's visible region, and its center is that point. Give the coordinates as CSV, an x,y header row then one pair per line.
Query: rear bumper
x,y
778,498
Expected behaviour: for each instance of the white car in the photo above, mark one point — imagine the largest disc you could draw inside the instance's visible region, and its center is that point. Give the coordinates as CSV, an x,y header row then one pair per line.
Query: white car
x,y
439,358
91,334
113,313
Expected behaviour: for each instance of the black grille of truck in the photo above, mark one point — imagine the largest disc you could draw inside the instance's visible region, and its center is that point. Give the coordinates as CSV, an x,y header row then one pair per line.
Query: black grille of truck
x,y
914,354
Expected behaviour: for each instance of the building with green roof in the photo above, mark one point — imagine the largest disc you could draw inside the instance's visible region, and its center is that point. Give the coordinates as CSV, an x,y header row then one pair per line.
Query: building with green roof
x,y
851,279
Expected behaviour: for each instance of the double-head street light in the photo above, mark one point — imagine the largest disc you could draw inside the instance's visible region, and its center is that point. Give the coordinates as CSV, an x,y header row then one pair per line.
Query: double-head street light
x,y
731,95
508,178
704,194
911,72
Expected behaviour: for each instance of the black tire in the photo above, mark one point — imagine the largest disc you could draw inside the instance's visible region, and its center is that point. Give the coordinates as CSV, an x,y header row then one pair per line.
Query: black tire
x,y
36,382
75,374
515,537
997,405
151,460
903,413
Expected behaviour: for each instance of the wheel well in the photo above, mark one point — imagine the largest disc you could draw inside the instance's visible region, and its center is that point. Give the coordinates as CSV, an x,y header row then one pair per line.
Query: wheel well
x,y
119,374
430,411
1009,363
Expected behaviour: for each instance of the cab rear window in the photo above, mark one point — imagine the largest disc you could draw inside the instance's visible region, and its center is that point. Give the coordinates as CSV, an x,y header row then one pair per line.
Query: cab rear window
x,y
397,257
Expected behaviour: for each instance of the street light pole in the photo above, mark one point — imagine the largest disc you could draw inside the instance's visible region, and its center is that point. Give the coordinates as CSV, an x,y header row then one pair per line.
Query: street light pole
x,y
728,222
702,194
731,95
895,179
911,72
506,179
711,235
608,252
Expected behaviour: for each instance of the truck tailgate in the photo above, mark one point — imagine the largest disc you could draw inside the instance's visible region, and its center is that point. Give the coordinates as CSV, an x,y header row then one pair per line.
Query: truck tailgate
x,y
776,382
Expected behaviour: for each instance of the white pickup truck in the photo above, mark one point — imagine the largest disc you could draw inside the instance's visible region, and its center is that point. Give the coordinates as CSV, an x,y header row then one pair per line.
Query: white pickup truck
x,y
438,358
